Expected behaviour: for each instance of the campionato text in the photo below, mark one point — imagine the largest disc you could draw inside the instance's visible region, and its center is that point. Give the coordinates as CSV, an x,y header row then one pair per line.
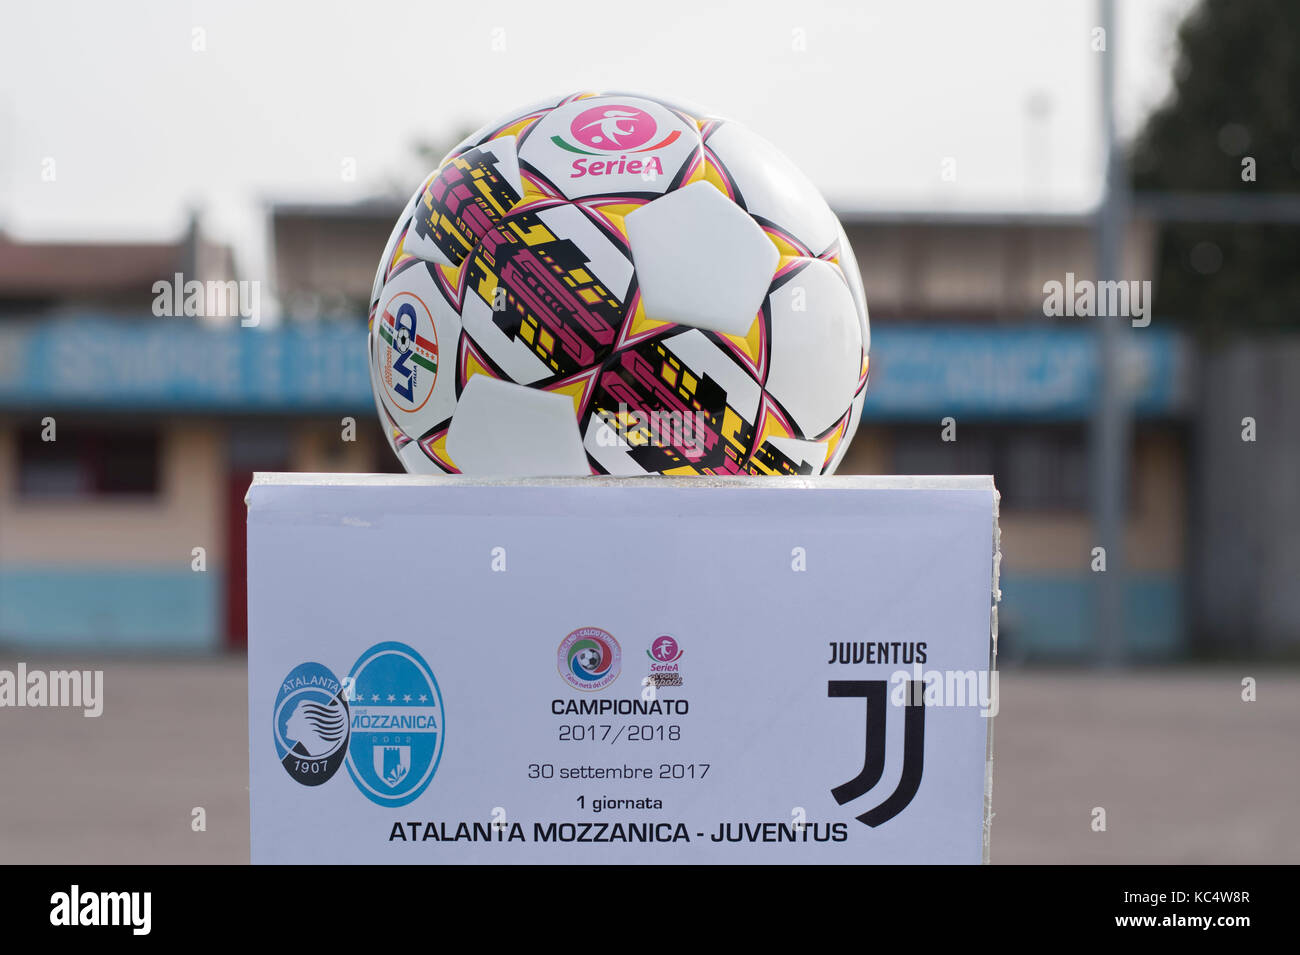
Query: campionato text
x,y
620,707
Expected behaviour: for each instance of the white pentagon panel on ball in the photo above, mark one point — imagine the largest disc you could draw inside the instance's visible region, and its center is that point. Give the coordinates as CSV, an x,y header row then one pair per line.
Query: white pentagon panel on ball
x,y
610,145
853,275
855,418
772,187
816,346
810,453
700,260
422,247
501,429
413,351
416,461
608,449
384,425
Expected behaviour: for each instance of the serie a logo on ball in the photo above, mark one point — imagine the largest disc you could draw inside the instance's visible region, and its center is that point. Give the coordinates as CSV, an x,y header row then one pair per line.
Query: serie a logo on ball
x,y
589,659
615,129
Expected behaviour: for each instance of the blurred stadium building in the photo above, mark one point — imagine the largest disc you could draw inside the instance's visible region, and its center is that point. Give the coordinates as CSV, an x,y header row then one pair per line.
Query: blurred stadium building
x,y
159,424
162,420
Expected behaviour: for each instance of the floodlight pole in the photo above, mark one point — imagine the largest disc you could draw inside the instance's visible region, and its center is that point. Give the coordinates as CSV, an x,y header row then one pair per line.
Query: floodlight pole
x,y
1112,425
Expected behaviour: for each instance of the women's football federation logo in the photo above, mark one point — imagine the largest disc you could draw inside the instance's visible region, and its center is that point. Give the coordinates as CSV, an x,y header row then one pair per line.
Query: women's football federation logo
x,y
589,659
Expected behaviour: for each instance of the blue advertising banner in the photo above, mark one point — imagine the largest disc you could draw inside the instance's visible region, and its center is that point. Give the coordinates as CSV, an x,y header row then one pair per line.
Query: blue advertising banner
x,y
916,371
1025,373
177,365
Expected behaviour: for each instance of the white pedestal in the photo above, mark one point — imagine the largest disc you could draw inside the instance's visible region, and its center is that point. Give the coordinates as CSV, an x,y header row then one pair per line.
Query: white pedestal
x,y
451,670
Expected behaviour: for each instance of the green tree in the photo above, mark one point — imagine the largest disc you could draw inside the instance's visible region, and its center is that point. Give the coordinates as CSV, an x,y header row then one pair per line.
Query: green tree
x,y
1236,97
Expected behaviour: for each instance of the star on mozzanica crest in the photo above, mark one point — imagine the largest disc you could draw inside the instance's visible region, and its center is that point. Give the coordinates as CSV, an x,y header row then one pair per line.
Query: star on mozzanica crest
x,y
406,698
424,697
392,698
374,698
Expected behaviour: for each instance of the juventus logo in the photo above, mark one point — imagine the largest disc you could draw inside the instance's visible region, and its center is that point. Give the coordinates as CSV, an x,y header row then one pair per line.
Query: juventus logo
x,y
876,693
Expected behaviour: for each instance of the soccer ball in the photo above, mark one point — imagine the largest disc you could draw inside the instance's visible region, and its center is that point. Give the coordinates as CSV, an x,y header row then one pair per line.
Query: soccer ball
x,y
611,283
589,660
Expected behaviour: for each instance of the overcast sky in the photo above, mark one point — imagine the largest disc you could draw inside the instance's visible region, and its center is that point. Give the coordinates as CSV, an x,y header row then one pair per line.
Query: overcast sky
x,y
140,125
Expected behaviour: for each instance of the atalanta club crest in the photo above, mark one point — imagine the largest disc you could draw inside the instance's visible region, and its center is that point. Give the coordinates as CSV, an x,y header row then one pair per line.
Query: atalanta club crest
x,y
311,724
385,720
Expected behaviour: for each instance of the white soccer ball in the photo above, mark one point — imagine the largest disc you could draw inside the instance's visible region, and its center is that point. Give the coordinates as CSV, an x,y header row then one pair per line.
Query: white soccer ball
x,y
615,284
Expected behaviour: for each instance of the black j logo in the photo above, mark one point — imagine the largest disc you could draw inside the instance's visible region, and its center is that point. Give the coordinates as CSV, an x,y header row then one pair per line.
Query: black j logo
x,y
873,765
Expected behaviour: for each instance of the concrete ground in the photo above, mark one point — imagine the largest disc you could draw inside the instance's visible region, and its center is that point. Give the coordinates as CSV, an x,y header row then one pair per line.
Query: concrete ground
x,y
1185,770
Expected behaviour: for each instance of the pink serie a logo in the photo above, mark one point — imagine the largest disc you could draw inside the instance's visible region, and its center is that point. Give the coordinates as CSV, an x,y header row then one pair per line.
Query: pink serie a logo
x,y
664,649
615,134
613,128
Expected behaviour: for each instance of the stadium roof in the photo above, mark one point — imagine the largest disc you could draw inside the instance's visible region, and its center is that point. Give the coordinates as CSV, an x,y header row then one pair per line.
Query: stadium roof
x,y
100,272
387,208
866,216
60,269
